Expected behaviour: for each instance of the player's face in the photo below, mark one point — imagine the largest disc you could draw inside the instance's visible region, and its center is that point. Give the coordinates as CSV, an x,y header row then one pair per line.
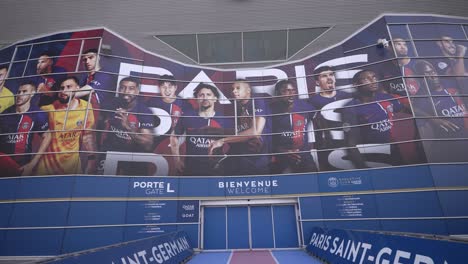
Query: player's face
x,y
90,61
241,90
206,98
3,75
168,90
448,46
326,80
24,94
288,93
128,91
368,82
44,65
401,48
431,76
67,90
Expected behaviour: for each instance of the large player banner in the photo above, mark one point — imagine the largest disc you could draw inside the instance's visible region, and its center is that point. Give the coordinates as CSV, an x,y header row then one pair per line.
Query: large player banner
x,y
90,102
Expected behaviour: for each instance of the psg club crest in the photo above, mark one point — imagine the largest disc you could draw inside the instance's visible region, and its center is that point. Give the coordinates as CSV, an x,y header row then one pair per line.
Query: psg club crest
x,y
299,123
25,125
390,108
333,182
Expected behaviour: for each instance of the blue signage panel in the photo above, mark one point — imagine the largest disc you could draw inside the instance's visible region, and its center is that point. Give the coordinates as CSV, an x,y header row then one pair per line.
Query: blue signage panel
x,y
449,175
77,239
294,184
202,187
343,182
51,187
450,202
170,248
410,204
154,187
102,213
8,188
349,206
249,186
408,177
352,224
347,246
91,186
457,226
43,214
6,210
151,212
425,226
30,242
418,176
139,232
311,207
187,211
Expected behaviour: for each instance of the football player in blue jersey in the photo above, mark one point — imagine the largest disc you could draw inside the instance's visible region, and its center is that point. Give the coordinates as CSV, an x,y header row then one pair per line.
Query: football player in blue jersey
x,y
19,125
129,126
102,85
251,146
168,102
453,62
369,117
402,66
290,128
325,79
447,104
132,121
48,76
201,128
327,119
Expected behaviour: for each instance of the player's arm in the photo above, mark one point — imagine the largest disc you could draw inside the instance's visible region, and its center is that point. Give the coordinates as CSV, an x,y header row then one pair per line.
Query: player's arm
x,y
141,136
441,122
84,91
458,66
89,145
293,154
352,136
27,169
179,163
144,138
254,132
355,156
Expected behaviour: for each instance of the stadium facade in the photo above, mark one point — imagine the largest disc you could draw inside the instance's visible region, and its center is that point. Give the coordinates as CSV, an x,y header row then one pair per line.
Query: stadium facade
x,y
369,134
